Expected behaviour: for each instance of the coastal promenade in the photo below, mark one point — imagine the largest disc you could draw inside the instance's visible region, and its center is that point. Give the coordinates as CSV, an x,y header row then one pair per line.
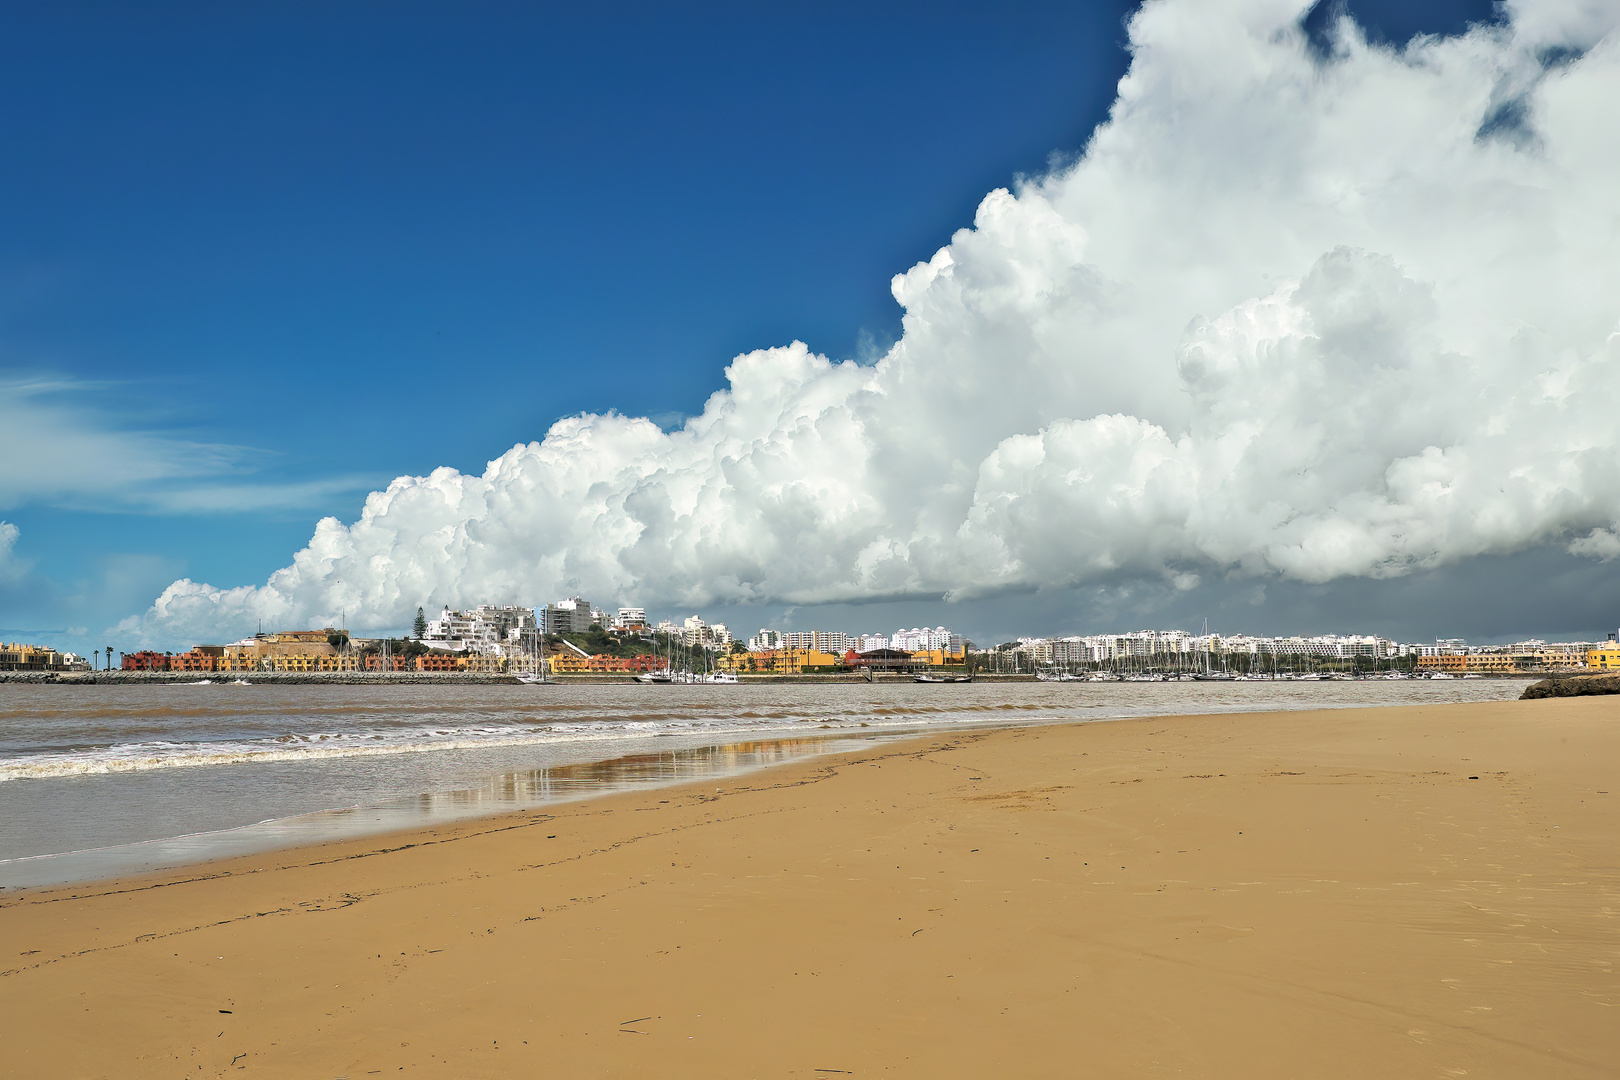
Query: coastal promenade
x,y
1417,891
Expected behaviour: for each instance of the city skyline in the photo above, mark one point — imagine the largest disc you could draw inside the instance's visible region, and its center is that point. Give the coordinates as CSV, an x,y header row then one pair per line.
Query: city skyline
x,y
493,627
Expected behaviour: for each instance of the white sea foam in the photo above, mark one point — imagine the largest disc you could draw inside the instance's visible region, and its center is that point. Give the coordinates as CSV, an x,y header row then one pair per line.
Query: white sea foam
x,y
45,739
147,756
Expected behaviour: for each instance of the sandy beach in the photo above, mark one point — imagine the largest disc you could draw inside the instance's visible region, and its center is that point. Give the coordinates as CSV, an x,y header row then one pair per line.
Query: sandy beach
x,y
1403,892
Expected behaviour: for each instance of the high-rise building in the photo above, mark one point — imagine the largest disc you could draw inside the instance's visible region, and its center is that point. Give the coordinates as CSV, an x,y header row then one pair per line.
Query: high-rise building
x,y
697,632
571,616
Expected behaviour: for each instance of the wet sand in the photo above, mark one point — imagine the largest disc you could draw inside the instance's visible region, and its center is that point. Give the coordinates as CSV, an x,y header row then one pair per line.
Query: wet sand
x,y
1324,894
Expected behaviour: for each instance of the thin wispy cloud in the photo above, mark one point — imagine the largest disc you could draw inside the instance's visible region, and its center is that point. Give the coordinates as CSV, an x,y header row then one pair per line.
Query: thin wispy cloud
x,y
86,457
1300,311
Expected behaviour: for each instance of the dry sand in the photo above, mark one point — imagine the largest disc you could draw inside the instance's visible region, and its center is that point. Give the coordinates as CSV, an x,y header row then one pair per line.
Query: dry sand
x,y
1323,894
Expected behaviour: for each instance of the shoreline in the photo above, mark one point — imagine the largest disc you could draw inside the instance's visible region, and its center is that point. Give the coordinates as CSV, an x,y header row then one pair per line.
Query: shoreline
x,y
420,678
558,785
1385,891
616,763
458,678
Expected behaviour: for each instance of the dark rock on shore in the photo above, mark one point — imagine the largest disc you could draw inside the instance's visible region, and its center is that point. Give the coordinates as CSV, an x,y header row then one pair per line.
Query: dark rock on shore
x,y
1573,686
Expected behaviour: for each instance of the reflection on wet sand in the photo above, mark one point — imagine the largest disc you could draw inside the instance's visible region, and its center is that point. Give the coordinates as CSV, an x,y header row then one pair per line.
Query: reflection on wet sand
x,y
515,790
507,792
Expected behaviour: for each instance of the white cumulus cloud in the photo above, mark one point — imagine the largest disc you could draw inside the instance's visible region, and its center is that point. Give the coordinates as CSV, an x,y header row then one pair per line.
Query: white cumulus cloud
x,y
1290,315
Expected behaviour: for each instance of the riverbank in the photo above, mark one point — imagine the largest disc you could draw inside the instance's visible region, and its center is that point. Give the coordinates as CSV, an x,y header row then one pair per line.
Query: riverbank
x,y
406,678
255,678
458,678
1409,891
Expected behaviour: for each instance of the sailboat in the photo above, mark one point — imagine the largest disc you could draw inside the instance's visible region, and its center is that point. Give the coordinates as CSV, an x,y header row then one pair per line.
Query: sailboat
x,y
536,676
666,674
1209,674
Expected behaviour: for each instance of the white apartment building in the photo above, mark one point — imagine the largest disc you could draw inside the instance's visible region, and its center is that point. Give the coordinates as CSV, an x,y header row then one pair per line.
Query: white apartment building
x,y
828,641
697,632
1040,650
1529,654
1174,644
483,629
765,641
1331,646
1442,647
1103,648
1072,651
832,641
572,616
919,638
629,617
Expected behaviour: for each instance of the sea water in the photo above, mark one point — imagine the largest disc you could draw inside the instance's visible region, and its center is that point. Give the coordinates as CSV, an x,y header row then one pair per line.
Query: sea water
x,y
100,780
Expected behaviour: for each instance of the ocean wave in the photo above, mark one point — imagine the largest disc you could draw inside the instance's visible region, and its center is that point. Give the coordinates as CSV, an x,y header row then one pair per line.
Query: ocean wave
x,y
301,747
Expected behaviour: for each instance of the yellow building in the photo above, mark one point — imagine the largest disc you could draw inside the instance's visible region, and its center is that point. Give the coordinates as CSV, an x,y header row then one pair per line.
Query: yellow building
x,y
20,657
1550,658
939,657
288,650
1472,663
1606,659
313,662
777,661
1492,664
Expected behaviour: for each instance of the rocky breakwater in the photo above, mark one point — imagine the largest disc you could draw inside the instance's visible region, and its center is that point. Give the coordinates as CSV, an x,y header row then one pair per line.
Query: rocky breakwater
x,y
1573,686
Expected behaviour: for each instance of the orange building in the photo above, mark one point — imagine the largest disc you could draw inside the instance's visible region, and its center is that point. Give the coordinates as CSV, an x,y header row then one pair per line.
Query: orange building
x,y
200,658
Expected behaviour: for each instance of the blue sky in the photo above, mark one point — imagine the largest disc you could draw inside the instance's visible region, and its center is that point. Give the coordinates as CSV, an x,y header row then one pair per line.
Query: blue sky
x,y
325,232
311,247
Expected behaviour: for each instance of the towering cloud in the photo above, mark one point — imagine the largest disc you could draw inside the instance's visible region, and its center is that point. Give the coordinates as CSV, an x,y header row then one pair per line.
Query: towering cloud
x,y
1299,310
